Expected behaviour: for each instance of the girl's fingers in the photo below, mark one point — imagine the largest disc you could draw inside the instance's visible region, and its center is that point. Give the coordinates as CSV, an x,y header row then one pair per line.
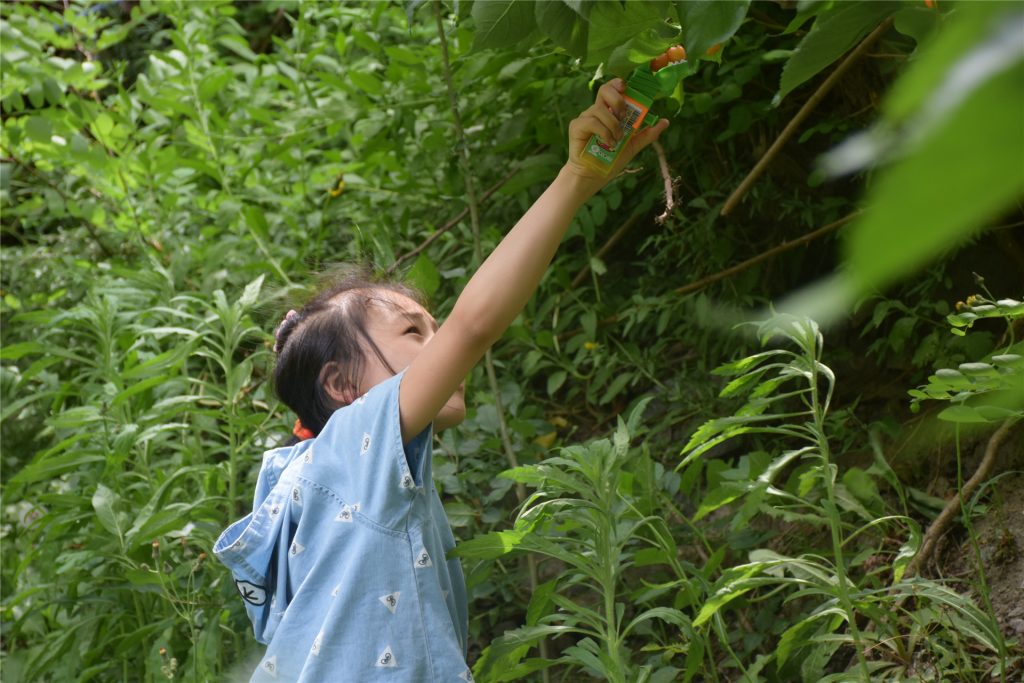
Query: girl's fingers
x,y
610,95
608,120
589,123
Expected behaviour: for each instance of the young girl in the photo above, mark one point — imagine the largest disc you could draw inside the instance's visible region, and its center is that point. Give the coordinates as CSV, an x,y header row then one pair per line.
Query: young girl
x,y
342,562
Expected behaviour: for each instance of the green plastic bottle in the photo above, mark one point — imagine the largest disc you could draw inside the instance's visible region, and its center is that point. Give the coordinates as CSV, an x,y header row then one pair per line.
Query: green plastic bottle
x,y
641,89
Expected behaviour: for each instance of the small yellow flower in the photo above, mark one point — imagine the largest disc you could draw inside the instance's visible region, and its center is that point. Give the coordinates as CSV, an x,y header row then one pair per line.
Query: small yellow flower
x,y
972,299
960,305
590,346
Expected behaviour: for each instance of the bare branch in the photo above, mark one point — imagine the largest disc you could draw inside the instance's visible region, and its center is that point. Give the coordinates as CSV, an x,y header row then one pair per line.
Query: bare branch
x,y
794,124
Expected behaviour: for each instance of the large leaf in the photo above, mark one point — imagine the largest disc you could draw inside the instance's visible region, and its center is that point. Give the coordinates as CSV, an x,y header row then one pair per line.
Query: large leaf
x,y
833,33
567,27
501,23
612,25
967,170
709,22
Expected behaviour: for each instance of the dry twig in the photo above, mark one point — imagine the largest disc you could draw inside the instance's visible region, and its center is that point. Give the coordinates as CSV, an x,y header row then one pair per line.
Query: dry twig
x,y
945,518
670,198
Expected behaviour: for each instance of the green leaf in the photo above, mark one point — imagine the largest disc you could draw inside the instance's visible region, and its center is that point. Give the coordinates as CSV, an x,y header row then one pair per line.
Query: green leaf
x,y
709,22
918,22
501,23
612,25
833,33
917,208
367,82
424,275
564,25
251,293
38,128
489,546
961,414
103,501
138,388
555,381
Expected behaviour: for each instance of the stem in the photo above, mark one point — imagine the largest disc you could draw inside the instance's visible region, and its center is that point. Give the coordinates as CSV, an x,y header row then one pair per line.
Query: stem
x,y
765,255
834,523
983,588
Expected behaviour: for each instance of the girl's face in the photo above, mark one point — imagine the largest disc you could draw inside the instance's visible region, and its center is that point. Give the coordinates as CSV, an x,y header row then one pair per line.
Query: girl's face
x,y
401,328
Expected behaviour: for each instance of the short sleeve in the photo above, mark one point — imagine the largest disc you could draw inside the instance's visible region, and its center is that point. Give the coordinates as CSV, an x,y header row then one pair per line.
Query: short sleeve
x,y
359,455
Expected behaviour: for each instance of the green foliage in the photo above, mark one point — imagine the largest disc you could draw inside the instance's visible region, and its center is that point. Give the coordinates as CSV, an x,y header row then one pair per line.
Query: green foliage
x,y
589,516
172,171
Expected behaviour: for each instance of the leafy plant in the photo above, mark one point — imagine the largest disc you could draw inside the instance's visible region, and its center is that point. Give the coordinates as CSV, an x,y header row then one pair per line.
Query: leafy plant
x,y
787,394
585,516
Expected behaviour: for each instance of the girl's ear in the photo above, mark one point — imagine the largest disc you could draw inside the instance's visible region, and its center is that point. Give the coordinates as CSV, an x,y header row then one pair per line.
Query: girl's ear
x,y
334,383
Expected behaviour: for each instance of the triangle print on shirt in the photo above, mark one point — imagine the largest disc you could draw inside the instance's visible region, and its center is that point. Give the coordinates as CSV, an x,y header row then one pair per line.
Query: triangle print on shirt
x,y
391,601
386,659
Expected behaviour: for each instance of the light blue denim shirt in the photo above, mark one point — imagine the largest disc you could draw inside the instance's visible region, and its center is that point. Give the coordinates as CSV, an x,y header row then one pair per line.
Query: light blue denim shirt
x,y
341,563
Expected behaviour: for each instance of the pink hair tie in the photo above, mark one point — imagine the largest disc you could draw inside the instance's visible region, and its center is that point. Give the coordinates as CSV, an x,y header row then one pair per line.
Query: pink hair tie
x,y
292,314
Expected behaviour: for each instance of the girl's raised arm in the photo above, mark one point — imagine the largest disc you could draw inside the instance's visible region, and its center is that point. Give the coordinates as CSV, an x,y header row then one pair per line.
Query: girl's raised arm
x,y
499,290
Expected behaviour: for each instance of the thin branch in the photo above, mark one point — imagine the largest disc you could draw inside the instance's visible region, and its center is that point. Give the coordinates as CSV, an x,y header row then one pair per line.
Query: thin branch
x,y
616,236
89,227
945,518
809,106
765,255
453,222
474,217
670,198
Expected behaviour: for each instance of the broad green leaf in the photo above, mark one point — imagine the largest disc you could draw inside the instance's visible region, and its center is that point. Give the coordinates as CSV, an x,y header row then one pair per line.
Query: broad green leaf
x,y
563,25
612,25
918,22
962,32
917,208
834,32
501,23
709,22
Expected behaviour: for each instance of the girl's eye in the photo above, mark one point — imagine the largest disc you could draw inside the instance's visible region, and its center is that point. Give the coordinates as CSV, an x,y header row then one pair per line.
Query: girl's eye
x,y
412,330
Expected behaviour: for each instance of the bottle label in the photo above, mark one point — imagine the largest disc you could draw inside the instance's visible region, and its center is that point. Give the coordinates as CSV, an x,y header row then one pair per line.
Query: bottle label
x,y
606,152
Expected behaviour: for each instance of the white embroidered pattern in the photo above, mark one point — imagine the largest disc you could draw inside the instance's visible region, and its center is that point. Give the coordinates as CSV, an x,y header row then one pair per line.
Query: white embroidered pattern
x,y
315,650
308,457
390,600
270,666
386,658
334,593
296,548
345,515
366,444
467,676
423,559
297,495
407,481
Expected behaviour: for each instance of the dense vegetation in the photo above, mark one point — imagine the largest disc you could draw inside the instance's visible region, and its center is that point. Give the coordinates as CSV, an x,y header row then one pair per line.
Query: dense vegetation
x,y
174,173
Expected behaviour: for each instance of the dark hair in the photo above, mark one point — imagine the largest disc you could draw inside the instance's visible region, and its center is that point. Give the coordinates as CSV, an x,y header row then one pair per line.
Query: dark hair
x,y
329,327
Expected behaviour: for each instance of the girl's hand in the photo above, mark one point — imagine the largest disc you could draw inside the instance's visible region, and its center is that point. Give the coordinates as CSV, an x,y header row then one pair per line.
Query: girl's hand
x,y
602,119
